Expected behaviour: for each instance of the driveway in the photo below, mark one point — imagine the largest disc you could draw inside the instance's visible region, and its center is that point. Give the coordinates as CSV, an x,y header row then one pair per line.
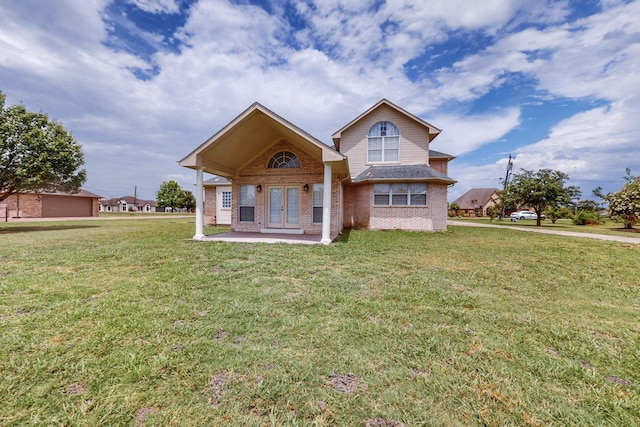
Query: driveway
x,y
623,239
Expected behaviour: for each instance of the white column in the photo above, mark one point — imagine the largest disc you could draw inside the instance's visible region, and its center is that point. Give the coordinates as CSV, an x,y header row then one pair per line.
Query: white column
x,y
199,204
326,205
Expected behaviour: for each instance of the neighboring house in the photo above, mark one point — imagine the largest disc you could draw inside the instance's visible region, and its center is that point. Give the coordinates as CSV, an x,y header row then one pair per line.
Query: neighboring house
x,y
380,175
475,202
51,205
217,201
127,204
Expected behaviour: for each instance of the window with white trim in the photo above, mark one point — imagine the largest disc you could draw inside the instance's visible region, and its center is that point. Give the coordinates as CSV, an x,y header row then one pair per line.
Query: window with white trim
x,y
226,199
383,143
400,194
247,203
318,196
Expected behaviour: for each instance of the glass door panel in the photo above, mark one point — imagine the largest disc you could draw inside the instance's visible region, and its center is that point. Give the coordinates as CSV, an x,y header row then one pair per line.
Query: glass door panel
x,y
292,207
275,207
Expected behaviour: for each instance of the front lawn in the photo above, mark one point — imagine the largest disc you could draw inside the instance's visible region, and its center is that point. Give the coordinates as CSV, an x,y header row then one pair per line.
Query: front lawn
x,y
129,322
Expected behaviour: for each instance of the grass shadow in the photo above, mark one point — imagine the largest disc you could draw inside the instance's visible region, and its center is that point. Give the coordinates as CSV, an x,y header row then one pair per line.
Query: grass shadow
x,y
344,236
32,228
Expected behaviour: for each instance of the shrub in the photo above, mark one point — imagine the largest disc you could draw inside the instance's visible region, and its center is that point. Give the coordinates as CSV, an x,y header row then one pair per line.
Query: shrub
x,y
492,212
587,218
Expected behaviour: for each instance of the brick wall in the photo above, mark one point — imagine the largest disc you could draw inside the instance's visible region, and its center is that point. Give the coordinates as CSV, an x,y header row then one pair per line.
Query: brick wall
x,y
210,205
30,206
364,214
311,172
439,165
438,204
95,207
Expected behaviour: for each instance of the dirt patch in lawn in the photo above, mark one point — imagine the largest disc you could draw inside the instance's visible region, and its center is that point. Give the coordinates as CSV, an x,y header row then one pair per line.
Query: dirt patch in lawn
x,y
347,384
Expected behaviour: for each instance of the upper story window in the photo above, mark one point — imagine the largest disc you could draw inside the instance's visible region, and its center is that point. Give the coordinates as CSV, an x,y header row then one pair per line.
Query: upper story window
x,y
283,159
383,142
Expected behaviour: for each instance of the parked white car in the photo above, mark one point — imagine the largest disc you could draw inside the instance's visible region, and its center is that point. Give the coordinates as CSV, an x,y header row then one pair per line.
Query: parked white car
x,y
515,216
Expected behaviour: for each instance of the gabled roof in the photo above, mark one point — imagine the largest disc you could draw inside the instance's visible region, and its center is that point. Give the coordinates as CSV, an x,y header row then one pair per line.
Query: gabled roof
x,y
433,131
217,180
80,193
250,134
418,173
438,155
480,195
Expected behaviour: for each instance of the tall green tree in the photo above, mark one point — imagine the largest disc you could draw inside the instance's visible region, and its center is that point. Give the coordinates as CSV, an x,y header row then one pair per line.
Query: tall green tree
x,y
171,195
188,200
624,206
36,153
540,190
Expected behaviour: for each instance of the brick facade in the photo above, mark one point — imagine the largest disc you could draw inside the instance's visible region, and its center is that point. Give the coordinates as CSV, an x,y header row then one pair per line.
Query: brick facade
x,y
30,205
360,211
210,206
311,172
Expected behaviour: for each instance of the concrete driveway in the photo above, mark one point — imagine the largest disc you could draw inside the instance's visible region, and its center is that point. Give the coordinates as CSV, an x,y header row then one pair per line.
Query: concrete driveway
x,y
623,239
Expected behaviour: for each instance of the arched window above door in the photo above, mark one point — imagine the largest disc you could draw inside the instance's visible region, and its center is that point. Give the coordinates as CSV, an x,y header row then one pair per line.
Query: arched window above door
x,y
282,160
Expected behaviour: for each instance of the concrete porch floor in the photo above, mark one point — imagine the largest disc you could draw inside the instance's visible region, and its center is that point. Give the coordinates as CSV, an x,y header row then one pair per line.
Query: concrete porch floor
x,y
234,236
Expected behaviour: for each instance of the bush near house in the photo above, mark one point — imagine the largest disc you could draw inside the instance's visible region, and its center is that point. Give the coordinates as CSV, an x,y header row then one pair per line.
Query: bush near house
x,y
587,218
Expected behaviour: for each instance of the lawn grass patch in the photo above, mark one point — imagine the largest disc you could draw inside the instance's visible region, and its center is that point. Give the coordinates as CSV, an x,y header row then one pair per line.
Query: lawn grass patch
x,y
608,227
132,322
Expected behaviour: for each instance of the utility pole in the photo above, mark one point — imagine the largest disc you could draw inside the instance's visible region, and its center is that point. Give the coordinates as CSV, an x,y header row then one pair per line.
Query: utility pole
x,y
135,198
506,184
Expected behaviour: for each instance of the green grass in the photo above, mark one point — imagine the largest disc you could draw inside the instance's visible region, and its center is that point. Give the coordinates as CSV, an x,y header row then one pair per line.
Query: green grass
x,y
132,323
609,227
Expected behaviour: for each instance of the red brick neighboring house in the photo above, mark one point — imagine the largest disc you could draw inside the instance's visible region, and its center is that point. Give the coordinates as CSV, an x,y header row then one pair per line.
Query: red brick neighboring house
x,y
475,202
50,205
380,174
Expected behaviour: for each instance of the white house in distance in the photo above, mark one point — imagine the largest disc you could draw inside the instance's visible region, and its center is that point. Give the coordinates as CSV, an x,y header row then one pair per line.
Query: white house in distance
x,y
127,204
380,174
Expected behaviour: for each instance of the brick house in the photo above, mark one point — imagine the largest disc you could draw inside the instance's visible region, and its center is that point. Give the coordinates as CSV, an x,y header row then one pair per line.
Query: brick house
x,y
50,205
380,174
476,201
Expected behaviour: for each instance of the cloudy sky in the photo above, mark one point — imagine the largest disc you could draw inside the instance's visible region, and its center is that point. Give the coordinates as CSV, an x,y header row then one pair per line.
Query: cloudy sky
x,y
141,83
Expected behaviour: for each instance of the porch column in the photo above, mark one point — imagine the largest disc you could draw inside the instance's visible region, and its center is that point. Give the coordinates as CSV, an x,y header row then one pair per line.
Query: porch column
x,y
326,205
199,204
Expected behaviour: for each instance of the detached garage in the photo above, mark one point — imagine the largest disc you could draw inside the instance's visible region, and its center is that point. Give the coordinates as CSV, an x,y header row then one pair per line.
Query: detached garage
x,y
52,205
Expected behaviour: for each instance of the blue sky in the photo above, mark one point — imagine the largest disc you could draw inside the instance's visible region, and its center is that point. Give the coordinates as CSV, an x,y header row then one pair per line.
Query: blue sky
x,y
140,83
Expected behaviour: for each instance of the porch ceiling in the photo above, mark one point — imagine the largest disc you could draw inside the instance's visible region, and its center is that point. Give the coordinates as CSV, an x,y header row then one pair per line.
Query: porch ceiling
x,y
249,135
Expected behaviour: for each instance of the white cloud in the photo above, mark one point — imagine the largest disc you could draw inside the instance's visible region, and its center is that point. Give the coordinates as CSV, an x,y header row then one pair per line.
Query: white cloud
x,y
463,134
157,6
52,57
590,145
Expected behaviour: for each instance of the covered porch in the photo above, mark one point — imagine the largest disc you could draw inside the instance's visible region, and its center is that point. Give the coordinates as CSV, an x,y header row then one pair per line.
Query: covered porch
x,y
283,179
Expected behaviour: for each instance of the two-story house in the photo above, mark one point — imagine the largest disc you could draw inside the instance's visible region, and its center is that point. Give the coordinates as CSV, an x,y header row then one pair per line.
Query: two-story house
x,y
380,174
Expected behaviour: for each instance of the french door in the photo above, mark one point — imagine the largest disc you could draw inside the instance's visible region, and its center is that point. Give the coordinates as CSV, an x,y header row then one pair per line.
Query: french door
x,y
283,206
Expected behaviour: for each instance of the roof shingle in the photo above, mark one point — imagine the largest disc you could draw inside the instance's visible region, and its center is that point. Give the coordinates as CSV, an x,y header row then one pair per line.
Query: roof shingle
x,y
421,172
